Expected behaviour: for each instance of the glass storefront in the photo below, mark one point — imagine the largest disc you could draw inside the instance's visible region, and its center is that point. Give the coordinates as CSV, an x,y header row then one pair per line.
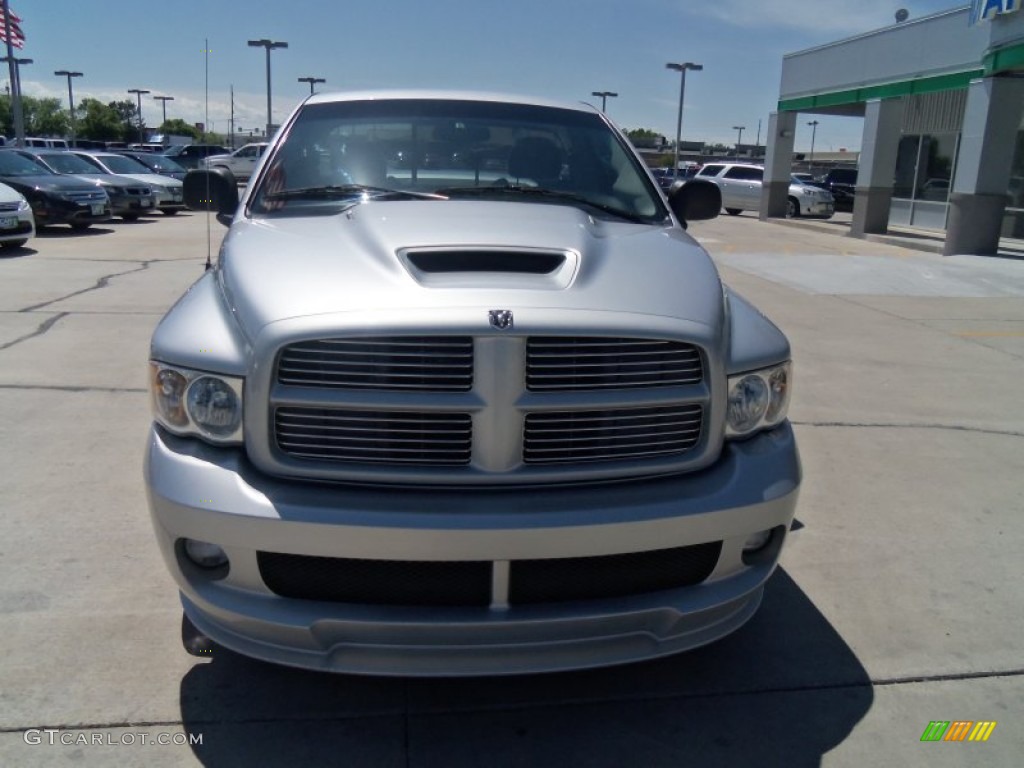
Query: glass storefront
x,y
924,177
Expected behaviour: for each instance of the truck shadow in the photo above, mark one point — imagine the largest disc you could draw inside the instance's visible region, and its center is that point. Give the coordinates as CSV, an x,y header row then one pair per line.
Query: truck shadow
x,y
783,690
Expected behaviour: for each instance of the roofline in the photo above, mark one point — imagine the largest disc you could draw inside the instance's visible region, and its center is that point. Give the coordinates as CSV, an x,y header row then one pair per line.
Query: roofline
x,y
447,95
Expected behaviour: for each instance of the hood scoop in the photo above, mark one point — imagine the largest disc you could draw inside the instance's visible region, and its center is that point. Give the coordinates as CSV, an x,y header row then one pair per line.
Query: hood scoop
x,y
475,267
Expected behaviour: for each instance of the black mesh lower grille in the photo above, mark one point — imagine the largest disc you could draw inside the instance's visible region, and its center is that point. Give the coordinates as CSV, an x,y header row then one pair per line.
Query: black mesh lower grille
x,y
608,576
468,583
377,582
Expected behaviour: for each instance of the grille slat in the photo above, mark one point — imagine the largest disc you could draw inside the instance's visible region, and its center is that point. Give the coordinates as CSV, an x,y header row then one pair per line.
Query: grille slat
x,y
627,433
571,363
375,437
420,363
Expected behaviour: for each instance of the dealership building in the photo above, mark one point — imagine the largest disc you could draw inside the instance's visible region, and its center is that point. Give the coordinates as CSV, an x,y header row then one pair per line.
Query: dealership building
x,y
942,98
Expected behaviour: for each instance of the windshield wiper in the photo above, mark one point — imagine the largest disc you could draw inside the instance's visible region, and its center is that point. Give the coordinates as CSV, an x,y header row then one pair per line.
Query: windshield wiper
x,y
554,194
348,191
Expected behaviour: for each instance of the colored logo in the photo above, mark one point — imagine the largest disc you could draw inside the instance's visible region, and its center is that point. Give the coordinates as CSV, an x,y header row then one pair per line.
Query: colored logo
x,y
958,730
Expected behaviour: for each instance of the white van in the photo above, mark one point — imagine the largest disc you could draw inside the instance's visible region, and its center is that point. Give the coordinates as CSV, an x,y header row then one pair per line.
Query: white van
x,y
47,143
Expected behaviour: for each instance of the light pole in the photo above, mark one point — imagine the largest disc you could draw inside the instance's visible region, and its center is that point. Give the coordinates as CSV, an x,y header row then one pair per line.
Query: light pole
x,y
269,45
163,101
814,130
739,137
604,97
15,69
312,81
138,93
71,97
681,69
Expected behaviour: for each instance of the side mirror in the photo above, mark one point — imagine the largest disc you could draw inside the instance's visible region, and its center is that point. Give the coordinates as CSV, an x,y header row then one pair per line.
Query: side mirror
x,y
213,189
695,200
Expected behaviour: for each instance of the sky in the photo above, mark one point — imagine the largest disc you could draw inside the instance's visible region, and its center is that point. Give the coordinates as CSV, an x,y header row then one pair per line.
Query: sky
x,y
559,49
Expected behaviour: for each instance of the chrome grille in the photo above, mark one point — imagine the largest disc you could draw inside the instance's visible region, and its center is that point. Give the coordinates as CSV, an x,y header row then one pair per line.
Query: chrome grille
x,y
559,437
85,196
422,363
567,363
5,207
376,437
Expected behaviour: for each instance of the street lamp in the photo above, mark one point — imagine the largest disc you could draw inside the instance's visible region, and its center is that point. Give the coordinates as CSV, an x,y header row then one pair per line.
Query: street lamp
x,y
312,81
269,45
681,69
163,100
138,93
739,137
814,130
604,96
71,97
14,65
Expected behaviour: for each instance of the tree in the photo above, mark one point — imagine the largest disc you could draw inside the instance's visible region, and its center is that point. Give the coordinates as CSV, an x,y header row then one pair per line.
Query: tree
x,y
178,127
44,117
644,137
99,121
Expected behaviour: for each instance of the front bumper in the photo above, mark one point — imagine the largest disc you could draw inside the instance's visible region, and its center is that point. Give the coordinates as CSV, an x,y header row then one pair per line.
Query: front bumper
x,y
215,495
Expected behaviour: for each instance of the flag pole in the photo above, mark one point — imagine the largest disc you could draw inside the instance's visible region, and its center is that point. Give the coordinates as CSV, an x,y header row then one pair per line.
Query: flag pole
x,y
19,120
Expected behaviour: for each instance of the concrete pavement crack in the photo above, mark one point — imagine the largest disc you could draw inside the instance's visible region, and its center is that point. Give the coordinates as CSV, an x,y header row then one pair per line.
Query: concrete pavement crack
x,y
518,707
42,328
72,388
101,282
907,425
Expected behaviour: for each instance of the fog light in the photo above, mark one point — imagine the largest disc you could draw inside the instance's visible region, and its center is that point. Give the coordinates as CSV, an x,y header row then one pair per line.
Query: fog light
x,y
204,554
756,541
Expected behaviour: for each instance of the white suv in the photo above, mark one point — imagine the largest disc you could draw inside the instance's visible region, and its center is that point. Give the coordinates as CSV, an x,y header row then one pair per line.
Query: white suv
x,y
242,162
741,191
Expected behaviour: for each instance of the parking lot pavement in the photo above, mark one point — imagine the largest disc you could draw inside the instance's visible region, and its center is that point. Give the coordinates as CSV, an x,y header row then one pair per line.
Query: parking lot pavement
x,y
899,600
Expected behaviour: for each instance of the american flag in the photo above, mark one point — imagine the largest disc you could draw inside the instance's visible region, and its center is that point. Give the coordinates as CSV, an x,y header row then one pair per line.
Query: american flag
x,y
17,36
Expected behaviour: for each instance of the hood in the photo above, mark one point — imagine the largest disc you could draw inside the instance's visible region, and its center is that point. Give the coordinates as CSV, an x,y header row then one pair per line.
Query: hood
x,y
50,182
153,179
278,268
10,194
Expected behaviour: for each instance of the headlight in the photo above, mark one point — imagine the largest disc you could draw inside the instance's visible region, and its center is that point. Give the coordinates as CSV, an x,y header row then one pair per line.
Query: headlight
x,y
23,205
757,400
191,402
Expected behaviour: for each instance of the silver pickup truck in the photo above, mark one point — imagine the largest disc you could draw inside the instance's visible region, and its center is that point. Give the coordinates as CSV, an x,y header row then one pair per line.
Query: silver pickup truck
x,y
461,396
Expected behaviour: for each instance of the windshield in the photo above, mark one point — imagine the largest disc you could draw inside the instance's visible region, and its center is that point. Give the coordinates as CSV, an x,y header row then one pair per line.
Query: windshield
x,y
337,154
65,162
160,163
13,164
122,164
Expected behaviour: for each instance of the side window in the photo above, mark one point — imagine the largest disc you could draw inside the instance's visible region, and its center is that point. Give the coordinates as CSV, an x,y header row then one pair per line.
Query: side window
x,y
710,170
247,152
744,174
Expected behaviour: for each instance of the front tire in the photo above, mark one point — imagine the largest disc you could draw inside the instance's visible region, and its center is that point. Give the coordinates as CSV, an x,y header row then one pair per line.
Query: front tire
x,y
80,226
169,211
14,243
734,211
792,209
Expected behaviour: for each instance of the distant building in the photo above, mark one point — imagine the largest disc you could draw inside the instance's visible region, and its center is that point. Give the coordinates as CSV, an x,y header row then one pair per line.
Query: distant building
x,y
942,99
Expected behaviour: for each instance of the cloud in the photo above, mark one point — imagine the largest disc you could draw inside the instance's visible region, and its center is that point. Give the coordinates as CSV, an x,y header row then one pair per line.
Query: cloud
x,y
828,17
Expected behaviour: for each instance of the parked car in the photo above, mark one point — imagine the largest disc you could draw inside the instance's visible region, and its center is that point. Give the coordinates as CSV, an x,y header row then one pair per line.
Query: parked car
x,y
129,198
17,224
192,155
497,418
32,141
168,191
841,183
156,163
741,191
54,199
242,162
666,177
